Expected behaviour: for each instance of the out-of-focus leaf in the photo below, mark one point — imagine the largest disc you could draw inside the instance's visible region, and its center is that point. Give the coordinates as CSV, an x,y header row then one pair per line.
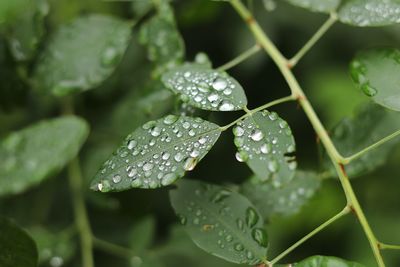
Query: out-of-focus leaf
x,y
157,154
17,249
206,88
377,73
221,222
324,261
142,234
9,10
364,13
317,5
82,54
30,155
284,201
369,125
265,142
140,8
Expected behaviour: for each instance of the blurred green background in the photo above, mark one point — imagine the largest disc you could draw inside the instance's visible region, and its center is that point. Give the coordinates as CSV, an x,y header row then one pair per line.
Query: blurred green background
x,y
143,219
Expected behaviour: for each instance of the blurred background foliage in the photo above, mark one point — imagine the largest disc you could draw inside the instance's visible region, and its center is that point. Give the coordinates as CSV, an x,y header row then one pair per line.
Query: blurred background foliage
x,y
143,219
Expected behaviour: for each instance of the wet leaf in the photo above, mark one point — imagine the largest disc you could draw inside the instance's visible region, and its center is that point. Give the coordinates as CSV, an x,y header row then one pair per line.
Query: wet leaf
x,y
205,88
284,201
82,54
377,73
364,13
157,154
17,249
30,155
221,222
265,142
369,125
325,6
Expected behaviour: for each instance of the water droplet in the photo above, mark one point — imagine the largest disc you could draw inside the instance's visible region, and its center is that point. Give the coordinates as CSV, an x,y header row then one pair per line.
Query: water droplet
x,y
190,163
257,135
240,224
273,166
116,178
110,56
56,261
131,171
213,97
148,166
242,156
170,119
238,247
183,219
369,90
132,144
251,217
226,106
260,236
229,238
266,148
165,155
249,255
155,131
220,195
179,157
169,178
238,131
219,84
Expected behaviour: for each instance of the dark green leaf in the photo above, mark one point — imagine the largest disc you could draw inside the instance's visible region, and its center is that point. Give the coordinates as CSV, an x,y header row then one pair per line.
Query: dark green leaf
x,y
287,200
221,222
364,13
205,88
157,154
324,261
368,126
317,5
377,73
82,54
29,156
265,142
17,249
142,234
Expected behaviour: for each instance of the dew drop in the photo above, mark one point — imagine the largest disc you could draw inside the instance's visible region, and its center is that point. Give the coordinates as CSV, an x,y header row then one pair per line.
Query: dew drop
x,y
213,97
219,84
251,217
238,131
170,119
220,196
109,57
116,178
178,157
238,247
257,135
226,106
273,166
242,156
155,131
132,144
369,90
190,163
260,236
266,148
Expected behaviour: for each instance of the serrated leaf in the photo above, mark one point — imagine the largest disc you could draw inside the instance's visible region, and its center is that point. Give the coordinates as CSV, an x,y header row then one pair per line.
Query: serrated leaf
x,y
365,13
157,154
284,201
221,222
205,88
82,54
325,6
265,142
324,261
164,43
30,155
369,125
377,73
17,249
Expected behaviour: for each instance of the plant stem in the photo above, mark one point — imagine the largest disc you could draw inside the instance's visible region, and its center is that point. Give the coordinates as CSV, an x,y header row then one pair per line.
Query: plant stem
x,y
344,212
252,111
347,160
314,39
284,67
387,246
113,248
240,58
81,217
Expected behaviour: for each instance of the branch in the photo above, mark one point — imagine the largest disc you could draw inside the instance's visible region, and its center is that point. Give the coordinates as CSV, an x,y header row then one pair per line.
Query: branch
x,y
240,58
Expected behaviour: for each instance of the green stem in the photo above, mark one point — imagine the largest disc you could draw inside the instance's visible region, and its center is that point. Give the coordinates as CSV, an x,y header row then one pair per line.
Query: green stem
x,y
284,67
113,248
314,39
81,217
387,246
252,111
344,212
240,58
347,160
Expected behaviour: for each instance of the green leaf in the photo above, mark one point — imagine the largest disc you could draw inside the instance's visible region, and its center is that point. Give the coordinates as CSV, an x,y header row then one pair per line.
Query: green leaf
x,y
9,10
82,54
324,261
142,234
141,8
265,142
206,88
30,155
221,222
284,201
369,125
365,13
377,73
164,43
325,6
157,154
17,249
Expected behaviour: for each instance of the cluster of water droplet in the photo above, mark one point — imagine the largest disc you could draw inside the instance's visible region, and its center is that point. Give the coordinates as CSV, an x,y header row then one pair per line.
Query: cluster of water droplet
x,y
205,88
366,13
229,238
158,153
358,72
256,145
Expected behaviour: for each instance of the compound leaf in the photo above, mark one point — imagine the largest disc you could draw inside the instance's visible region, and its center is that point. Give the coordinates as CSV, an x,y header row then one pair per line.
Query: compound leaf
x,y
82,54
157,154
325,6
205,88
265,142
30,155
17,249
377,73
221,222
364,13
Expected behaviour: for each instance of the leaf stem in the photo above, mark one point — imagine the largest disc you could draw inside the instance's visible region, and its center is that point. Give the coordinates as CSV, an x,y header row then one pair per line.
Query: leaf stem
x,y
347,160
240,58
284,67
344,212
387,246
113,248
314,39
